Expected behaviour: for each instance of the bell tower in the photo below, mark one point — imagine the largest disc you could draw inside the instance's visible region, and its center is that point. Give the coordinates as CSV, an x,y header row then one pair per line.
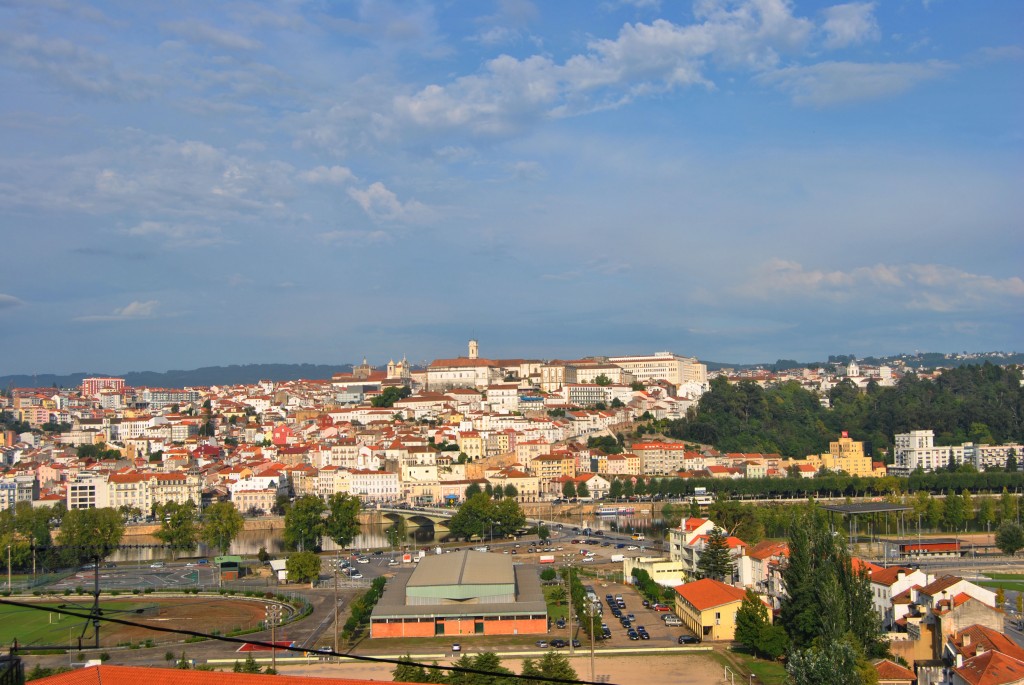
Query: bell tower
x,y
474,349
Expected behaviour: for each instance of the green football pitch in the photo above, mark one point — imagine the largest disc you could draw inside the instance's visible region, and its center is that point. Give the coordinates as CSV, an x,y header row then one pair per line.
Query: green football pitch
x,y
42,627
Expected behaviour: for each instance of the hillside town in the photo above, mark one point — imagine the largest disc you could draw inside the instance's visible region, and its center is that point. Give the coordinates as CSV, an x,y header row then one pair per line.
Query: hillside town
x,y
415,436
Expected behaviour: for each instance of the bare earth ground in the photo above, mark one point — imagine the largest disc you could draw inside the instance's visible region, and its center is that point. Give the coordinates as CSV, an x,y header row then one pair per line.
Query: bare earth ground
x,y
691,669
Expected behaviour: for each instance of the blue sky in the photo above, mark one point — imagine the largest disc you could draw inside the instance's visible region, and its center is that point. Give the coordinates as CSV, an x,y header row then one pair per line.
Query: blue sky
x,y
189,184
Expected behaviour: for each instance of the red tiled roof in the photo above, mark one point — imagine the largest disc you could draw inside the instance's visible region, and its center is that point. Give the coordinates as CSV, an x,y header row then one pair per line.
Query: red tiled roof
x,y
888,576
132,675
707,593
984,639
991,668
890,670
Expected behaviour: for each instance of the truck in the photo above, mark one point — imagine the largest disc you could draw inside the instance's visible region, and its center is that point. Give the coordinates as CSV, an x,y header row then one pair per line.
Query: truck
x,y
547,558
617,558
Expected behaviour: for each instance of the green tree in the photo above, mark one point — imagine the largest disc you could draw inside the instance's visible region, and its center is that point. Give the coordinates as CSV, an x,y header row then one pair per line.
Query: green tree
x,y
342,522
568,489
474,517
1010,537
473,489
390,395
304,524
551,665
986,512
955,514
409,672
751,617
829,663
179,530
508,516
511,491
397,532
221,525
615,489
250,665
87,534
582,490
603,380
715,561
543,533
303,567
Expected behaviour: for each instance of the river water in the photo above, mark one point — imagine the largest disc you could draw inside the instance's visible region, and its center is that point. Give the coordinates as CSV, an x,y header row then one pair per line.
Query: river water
x,y
372,536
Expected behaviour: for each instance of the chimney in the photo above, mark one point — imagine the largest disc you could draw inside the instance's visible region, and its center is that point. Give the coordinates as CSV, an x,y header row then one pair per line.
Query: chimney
x,y
966,639
959,660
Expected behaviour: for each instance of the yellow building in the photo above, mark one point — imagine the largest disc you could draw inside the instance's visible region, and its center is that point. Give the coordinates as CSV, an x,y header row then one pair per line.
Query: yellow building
x,y
846,454
472,443
708,608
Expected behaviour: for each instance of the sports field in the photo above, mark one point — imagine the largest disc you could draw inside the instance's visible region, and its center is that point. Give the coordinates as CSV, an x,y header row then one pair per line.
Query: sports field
x,y
37,627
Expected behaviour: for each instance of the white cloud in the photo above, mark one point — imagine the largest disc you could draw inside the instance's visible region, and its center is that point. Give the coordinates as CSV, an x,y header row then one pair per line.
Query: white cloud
x,y
198,32
832,83
9,302
334,175
381,204
78,69
132,310
354,238
179,234
931,287
850,24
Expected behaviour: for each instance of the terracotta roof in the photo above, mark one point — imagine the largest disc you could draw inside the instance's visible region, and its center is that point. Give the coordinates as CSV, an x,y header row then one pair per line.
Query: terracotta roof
x,y
707,593
132,675
940,584
983,639
888,576
991,668
890,670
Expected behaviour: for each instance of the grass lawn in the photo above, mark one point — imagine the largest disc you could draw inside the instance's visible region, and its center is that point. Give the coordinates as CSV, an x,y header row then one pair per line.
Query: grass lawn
x,y
766,672
32,626
555,611
1006,576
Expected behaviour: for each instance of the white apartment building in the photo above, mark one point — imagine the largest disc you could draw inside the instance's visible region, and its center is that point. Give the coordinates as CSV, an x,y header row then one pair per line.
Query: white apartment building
x,y
664,366
888,583
917,449
375,486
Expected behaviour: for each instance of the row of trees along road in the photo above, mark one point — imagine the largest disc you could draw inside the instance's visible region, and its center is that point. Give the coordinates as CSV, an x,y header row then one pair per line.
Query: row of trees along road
x,y
181,528
976,403
551,665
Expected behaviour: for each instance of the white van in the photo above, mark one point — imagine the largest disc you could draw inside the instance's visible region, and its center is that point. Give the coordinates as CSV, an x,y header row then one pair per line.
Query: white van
x,y
673,621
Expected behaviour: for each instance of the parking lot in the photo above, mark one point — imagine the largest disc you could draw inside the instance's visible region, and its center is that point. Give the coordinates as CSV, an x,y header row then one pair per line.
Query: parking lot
x,y
142,576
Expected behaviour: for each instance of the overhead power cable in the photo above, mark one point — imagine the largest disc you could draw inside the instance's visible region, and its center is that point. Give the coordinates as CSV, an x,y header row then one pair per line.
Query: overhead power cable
x,y
326,652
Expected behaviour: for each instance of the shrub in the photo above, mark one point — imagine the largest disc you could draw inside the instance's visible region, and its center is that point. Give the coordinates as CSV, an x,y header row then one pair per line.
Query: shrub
x,y
104,656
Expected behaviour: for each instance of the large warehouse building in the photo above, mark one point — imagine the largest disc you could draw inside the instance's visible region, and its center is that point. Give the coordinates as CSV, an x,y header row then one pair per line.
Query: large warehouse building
x,y
462,593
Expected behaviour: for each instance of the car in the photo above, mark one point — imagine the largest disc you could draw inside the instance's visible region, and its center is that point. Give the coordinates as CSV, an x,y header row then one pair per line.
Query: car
x,y
456,648
621,545
505,552
560,623
662,607
517,544
632,548
622,605
616,612
88,567
626,623
558,644
110,564
203,562
633,635
646,604
644,635
606,544
606,634
515,551
599,533
531,550
393,562
378,552
189,565
575,643
688,640
158,564
586,559
543,644
575,541
362,560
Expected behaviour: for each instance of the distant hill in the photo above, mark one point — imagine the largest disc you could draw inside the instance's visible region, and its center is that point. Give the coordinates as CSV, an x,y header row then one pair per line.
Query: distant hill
x,y
917,361
208,375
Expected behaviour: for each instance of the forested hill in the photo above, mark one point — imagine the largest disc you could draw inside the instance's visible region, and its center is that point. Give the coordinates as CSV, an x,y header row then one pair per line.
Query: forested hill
x,y
981,404
209,375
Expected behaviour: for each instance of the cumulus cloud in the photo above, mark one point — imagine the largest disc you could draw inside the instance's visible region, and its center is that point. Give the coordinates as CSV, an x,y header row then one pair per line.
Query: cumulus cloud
x,y
381,204
333,175
132,310
9,302
931,287
833,83
850,24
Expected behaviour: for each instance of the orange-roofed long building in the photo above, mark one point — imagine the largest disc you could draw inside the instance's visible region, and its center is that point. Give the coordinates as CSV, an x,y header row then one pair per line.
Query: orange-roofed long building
x,y
132,675
708,608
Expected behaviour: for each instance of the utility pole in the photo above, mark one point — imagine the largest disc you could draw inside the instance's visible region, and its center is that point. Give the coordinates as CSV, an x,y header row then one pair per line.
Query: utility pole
x,y
8,568
336,560
568,578
273,616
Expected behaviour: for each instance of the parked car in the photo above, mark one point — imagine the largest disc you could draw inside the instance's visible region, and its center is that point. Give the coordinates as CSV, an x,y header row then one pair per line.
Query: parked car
x,y
203,562
543,644
158,564
688,640
575,643
633,635
456,648
558,644
662,607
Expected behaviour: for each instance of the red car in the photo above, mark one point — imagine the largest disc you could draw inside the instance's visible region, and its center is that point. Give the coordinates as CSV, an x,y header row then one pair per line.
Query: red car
x,y
575,542
662,607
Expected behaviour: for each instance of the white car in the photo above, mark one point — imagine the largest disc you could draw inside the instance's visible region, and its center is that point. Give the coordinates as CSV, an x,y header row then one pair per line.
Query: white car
x,y
362,560
632,548
158,564
586,559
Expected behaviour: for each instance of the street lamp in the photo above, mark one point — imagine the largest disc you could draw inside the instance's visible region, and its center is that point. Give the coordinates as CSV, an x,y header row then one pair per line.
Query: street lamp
x,y
273,618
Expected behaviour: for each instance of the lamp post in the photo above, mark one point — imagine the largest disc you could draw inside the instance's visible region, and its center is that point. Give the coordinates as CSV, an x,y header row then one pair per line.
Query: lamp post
x,y
273,617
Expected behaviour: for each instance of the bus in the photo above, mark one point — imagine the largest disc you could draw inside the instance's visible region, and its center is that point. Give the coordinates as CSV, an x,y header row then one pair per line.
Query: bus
x,y
638,536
